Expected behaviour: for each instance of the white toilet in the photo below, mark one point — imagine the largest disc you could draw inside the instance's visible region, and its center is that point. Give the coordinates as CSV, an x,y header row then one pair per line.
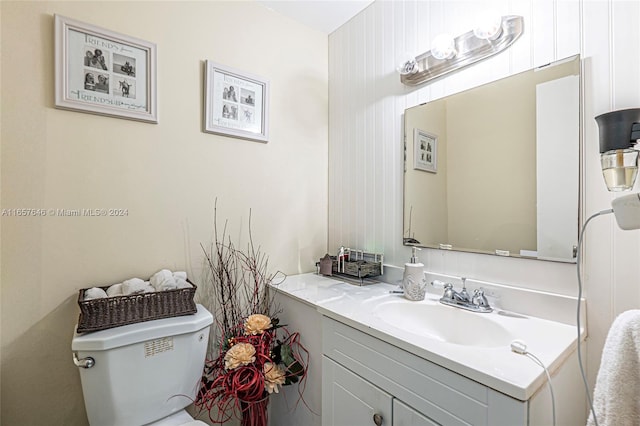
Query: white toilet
x,y
145,373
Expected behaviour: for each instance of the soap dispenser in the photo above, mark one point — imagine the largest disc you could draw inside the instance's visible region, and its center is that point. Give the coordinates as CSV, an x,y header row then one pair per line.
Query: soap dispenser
x,y
413,281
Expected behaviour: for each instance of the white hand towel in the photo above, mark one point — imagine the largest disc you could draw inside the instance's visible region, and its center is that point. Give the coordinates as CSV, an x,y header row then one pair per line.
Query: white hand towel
x,y
615,397
133,286
115,290
182,283
180,275
163,280
94,293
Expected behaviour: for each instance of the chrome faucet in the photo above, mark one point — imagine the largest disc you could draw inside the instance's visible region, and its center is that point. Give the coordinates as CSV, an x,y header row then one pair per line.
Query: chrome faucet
x,y
461,299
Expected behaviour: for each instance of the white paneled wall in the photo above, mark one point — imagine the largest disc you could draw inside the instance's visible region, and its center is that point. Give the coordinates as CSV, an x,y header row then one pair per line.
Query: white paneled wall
x,y
366,106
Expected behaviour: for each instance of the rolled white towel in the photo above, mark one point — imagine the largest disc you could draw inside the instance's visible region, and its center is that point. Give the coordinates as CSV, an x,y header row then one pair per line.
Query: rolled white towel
x,y
133,286
168,285
94,293
115,290
161,277
148,288
180,275
163,280
182,283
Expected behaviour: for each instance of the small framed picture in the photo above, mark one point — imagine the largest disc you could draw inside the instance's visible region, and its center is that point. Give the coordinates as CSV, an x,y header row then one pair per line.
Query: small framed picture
x,y
425,154
235,103
102,72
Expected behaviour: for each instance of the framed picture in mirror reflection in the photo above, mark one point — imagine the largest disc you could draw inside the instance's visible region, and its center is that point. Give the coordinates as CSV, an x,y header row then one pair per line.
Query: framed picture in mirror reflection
x,y
425,153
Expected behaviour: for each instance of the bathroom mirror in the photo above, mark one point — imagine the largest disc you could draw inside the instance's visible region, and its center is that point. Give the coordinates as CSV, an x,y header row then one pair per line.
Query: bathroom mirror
x,y
495,169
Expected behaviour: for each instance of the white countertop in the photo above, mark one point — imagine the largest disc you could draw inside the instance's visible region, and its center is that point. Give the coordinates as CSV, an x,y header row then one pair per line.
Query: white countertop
x,y
495,366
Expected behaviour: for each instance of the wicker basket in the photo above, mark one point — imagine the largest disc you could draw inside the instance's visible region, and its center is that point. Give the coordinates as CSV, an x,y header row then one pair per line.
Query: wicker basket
x,y
100,314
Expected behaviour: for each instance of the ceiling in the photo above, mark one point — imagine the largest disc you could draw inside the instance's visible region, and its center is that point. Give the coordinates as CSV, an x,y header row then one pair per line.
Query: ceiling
x,y
323,15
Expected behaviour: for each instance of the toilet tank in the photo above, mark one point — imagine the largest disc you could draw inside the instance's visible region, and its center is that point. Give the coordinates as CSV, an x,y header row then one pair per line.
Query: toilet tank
x,y
145,371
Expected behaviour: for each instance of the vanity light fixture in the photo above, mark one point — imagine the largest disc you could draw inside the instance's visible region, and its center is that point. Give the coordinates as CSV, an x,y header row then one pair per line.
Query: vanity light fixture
x,y
619,132
449,54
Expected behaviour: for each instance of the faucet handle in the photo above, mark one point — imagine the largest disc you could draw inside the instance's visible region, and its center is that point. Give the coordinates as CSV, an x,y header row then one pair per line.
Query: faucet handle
x,y
439,284
479,298
448,291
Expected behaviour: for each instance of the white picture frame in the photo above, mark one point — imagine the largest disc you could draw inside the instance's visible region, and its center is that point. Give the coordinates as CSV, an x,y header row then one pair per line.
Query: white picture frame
x,y
236,103
99,71
425,154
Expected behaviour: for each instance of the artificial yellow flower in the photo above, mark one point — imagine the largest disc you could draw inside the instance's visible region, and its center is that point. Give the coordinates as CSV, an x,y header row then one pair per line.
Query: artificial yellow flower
x,y
239,354
257,324
273,376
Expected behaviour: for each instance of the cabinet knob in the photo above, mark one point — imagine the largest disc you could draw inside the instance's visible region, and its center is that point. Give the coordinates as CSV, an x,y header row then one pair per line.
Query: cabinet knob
x,y
377,419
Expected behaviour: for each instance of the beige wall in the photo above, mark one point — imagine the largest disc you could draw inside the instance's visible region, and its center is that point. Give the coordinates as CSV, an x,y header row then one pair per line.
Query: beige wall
x,y
167,175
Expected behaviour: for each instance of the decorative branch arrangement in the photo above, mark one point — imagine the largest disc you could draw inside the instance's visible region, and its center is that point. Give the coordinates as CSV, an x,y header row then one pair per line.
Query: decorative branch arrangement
x,y
253,354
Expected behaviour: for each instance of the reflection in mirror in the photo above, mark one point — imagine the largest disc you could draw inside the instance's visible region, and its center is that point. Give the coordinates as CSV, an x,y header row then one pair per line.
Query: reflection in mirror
x,y
495,169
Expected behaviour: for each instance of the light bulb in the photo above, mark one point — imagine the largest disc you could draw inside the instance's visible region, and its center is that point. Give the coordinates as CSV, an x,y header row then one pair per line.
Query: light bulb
x,y
489,27
406,64
443,47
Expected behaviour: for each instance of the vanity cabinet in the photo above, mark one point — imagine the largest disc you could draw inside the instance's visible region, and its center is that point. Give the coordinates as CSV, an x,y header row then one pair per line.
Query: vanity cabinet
x,y
353,401
364,376
349,400
403,415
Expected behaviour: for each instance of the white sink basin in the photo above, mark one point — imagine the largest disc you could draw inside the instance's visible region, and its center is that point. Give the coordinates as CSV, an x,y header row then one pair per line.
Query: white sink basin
x,y
445,323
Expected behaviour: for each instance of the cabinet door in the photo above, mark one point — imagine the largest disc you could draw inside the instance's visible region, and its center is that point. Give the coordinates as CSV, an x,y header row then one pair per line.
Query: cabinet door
x,y
349,400
403,415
